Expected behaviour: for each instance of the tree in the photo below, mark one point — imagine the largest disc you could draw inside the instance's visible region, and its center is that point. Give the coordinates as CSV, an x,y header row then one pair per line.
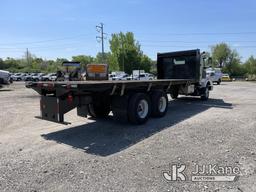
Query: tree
x,y
146,63
233,65
2,64
100,58
12,64
250,67
125,52
220,54
108,59
228,59
83,59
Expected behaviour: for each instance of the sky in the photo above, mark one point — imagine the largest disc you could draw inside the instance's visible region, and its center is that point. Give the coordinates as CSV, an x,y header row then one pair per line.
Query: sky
x,y
63,28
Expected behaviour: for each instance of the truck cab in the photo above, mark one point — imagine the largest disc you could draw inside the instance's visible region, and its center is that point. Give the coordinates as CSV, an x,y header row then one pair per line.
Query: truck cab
x,y
190,64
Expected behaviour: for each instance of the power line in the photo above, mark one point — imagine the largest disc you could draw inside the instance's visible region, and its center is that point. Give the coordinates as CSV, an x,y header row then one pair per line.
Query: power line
x,y
195,42
238,46
201,33
45,41
43,47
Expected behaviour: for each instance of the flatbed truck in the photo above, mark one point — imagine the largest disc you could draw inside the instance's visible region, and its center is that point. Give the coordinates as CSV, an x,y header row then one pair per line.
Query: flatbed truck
x,y
178,73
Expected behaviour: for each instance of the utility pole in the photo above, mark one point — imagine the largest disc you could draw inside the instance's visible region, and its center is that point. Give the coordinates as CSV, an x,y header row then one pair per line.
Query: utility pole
x,y
122,44
100,29
27,57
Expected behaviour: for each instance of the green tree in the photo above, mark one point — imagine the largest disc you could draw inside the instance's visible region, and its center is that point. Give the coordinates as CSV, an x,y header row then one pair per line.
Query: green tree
x,y
250,67
146,63
233,65
108,59
220,54
230,61
83,59
12,64
2,64
125,52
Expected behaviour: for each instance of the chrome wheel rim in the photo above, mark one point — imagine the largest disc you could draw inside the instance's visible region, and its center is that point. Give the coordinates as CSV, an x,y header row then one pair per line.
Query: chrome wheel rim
x,y
162,104
142,109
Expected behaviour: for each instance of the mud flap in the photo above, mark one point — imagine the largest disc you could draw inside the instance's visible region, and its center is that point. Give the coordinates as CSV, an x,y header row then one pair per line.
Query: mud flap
x,y
54,108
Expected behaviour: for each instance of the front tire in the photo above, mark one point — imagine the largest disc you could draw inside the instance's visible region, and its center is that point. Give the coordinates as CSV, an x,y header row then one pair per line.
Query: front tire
x,y
139,108
206,93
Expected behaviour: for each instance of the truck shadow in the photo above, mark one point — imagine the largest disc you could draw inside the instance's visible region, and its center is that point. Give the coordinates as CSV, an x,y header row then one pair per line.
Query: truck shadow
x,y
5,90
106,137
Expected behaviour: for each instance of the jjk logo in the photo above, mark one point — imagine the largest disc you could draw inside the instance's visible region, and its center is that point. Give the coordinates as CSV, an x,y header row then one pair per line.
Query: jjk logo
x,y
176,173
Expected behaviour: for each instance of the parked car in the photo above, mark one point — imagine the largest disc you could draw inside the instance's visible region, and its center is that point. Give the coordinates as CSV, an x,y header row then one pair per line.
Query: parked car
x,y
111,76
214,74
18,77
142,77
49,77
38,76
121,77
28,77
14,76
226,77
116,75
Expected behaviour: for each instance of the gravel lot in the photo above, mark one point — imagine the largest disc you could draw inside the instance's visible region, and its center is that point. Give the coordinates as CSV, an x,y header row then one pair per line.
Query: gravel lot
x,y
106,155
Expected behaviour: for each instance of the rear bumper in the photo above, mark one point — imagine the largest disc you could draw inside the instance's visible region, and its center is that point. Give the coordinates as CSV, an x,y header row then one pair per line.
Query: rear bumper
x,y
53,108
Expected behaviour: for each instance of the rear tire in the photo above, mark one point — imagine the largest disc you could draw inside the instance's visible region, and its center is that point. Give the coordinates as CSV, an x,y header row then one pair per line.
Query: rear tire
x,y
159,101
99,108
139,108
219,81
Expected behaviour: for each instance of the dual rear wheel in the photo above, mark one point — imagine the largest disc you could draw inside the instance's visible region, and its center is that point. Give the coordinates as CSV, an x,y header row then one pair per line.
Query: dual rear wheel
x,y
140,106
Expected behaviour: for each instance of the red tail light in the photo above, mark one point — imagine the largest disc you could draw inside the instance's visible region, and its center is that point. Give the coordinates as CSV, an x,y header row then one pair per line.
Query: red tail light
x,y
70,99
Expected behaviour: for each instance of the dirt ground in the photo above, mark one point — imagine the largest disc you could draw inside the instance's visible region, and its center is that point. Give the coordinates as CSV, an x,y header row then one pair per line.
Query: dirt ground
x,y
106,155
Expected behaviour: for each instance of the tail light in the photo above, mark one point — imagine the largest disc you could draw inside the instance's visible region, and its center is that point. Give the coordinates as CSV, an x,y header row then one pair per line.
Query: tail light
x,y
70,99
